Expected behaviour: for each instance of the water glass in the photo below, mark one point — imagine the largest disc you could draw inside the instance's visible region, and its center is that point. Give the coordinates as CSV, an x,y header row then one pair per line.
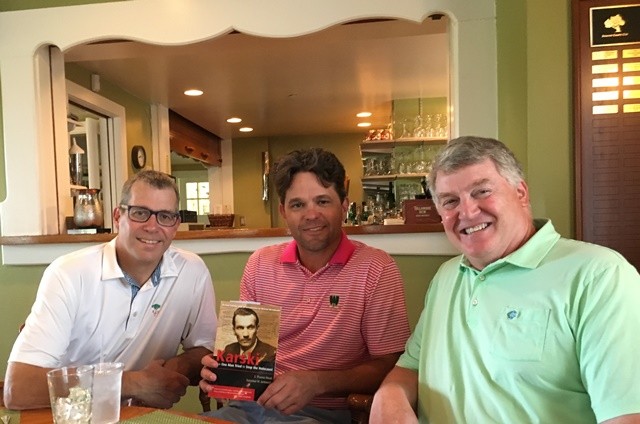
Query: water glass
x,y
107,386
70,393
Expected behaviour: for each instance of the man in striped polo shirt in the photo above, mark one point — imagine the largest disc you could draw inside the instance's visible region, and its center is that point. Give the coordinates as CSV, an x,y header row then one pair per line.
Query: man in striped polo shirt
x,y
344,321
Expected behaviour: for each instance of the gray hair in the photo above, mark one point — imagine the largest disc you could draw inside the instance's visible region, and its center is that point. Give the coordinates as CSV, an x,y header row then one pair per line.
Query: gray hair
x,y
155,179
464,151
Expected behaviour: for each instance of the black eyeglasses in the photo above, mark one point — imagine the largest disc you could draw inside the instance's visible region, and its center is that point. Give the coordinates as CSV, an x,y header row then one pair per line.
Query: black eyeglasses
x,y
142,214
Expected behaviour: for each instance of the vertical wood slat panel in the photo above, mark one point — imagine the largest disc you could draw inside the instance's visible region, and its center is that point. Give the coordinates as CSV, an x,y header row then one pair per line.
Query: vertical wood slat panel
x,y
607,145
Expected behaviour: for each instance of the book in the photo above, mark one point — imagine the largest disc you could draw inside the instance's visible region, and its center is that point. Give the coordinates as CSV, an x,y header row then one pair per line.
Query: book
x,y
246,349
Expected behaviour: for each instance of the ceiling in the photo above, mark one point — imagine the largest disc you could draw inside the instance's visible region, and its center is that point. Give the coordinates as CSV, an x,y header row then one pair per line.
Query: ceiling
x,y
311,84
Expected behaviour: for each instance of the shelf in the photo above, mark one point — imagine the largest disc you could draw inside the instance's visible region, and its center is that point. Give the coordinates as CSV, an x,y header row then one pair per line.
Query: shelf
x,y
391,177
374,145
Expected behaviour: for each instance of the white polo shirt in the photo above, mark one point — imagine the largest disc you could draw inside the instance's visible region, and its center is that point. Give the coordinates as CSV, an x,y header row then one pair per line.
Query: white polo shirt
x,y
84,312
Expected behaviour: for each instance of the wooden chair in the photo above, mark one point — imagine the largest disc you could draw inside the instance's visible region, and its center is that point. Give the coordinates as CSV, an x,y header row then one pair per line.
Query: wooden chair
x,y
205,401
360,407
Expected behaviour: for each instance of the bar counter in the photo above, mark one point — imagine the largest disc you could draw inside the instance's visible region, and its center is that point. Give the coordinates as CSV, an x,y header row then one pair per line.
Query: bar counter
x,y
413,239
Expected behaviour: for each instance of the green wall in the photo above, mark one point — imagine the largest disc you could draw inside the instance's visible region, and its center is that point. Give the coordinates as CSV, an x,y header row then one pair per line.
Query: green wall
x,y
534,101
247,186
3,179
247,171
138,112
18,286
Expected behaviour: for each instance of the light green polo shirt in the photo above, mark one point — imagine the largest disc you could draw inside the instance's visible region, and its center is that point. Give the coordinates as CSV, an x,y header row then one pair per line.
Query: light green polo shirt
x,y
548,334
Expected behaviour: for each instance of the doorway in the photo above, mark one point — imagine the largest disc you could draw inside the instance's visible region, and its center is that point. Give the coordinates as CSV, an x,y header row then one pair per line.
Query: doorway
x,y
99,132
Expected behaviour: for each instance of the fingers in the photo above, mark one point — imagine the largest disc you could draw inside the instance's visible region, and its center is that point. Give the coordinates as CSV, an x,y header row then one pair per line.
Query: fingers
x,y
282,395
209,362
162,387
207,374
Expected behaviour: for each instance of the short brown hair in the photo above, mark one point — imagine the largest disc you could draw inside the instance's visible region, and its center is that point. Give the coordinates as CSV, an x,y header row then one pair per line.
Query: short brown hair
x,y
324,164
155,179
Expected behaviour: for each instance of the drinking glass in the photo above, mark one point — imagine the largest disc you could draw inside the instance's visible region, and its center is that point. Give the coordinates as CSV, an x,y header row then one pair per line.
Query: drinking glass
x,y
428,125
405,132
419,130
421,161
107,386
70,393
441,125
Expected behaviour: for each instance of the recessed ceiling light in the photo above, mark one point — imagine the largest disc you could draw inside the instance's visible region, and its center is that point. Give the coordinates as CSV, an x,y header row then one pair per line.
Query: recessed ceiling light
x,y
193,92
364,124
363,114
246,129
234,120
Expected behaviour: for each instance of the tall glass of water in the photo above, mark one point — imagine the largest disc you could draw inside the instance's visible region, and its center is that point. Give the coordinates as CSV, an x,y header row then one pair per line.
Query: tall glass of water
x,y
107,387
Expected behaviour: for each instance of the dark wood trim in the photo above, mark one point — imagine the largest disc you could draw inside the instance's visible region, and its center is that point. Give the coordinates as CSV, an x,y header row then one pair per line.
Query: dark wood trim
x,y
191,140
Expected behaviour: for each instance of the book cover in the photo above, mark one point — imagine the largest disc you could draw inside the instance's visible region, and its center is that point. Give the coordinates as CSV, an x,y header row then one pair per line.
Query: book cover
x,y
245,349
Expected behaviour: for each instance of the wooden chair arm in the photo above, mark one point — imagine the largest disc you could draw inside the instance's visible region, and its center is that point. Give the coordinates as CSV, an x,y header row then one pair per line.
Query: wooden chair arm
x,y
360,402
360,407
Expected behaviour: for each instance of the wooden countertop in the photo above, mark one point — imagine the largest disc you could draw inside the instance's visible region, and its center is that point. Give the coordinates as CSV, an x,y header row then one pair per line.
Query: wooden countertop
x,y
220,233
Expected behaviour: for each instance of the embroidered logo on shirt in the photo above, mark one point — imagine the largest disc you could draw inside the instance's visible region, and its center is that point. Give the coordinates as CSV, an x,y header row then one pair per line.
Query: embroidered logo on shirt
x,y
155,308
333,300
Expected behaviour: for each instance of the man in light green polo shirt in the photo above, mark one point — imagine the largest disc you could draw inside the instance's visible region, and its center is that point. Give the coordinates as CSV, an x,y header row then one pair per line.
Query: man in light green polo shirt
x,y
525,326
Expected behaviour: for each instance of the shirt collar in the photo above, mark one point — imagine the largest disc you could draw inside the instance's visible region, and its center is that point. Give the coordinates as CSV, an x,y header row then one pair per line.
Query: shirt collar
x,y
530,254
111,269
340,256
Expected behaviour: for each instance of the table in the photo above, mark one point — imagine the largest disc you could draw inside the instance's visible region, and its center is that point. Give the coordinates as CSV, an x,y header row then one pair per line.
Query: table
x,y
43,416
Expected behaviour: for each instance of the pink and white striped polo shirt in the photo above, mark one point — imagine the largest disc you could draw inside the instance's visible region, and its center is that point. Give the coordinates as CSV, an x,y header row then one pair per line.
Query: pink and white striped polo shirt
x,y
347,312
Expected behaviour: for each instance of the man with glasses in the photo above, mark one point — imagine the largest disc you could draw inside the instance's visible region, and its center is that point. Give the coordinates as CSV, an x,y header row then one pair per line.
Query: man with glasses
x,y
134,300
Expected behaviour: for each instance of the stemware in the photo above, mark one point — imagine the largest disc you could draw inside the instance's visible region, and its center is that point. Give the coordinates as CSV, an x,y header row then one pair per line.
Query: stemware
x,y
419,130
404,130
440,125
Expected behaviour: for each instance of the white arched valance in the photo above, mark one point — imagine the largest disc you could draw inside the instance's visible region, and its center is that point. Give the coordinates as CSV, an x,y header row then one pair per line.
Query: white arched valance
x,y
30,206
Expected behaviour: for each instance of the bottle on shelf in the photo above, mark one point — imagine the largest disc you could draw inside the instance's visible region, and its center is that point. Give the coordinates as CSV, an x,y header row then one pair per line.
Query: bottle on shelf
x,y
379,207
391,198
352,214
425,189
364,215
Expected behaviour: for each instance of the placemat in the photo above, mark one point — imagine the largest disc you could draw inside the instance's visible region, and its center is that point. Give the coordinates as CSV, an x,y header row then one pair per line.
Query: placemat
x,y
160,417
14,415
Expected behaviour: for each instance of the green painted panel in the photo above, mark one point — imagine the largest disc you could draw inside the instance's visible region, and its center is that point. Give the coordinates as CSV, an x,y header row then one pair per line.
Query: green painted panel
x,y
3,177
247,182
18,286
138,112
247,171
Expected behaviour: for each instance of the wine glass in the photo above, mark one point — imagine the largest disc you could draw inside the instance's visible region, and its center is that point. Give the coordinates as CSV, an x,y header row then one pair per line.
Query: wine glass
x,y
404,131
440,125
419,130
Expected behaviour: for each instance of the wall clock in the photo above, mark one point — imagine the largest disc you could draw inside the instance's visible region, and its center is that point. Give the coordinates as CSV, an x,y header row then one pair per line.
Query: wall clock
x,y
138,157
